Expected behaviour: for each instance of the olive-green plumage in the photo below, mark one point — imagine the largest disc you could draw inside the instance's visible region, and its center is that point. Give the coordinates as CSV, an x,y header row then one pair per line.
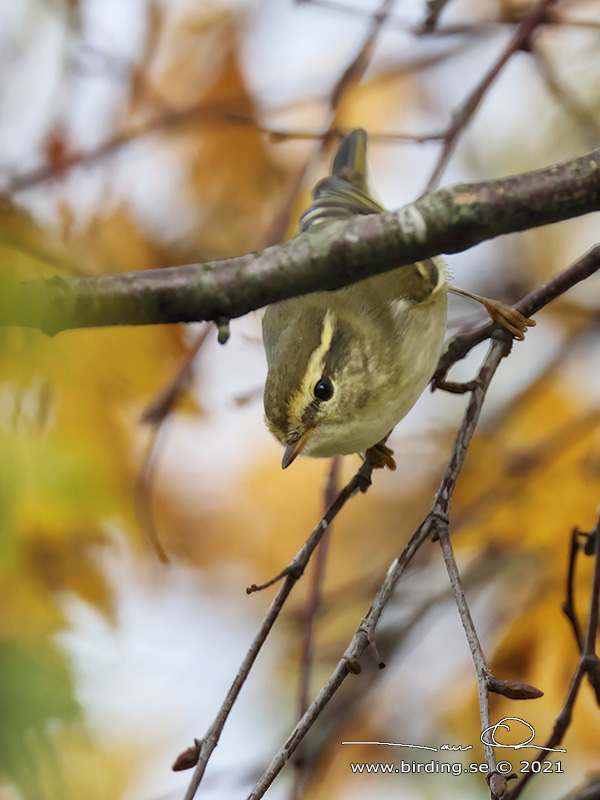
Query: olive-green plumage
x,y
346,366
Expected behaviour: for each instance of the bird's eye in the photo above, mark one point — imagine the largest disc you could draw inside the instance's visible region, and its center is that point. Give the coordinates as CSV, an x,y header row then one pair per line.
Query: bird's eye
x,y
323,389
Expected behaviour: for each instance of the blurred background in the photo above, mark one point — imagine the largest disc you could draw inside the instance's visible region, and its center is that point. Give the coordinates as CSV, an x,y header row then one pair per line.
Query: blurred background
x,y
137,134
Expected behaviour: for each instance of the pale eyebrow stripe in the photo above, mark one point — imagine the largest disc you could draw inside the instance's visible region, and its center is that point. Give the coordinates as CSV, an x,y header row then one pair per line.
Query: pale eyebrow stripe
x,y
303,396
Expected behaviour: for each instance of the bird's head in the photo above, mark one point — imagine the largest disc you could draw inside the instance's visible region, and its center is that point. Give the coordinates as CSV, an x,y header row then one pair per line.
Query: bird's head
x,y
319,382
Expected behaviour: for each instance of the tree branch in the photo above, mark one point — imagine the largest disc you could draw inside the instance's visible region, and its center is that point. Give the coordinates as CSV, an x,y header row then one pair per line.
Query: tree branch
x,y
463,343
200,753
465,113
589,664
365,633
446,221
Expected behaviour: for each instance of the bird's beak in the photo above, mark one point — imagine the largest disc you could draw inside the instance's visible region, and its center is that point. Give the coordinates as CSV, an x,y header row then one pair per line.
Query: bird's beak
x,y
292,450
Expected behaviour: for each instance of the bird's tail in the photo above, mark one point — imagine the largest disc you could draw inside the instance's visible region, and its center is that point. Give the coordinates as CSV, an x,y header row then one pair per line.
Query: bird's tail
x,y
344,193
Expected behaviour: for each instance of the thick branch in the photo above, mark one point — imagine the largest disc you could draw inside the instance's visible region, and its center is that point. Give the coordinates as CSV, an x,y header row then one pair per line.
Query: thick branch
x,y
447,221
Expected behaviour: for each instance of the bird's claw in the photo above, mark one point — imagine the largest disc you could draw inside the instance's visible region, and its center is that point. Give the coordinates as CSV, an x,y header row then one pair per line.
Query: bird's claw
x,y
508,318
379,456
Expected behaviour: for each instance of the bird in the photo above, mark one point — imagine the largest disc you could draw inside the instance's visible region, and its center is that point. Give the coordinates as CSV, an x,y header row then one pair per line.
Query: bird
x,y
345,366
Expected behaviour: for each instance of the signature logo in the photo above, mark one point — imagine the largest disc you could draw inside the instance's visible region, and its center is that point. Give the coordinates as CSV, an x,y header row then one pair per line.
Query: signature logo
x,y
488,737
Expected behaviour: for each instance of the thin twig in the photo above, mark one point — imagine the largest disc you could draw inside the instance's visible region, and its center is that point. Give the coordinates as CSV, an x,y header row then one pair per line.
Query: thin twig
x,y
582,115
541,379
589,655
478,28
357,67
352,10
350,76
481,667
156,414
277,135
554,18
569,604
313,609
506,485
574,429
589,664
159,408
366,631
434,9
143,492
465,113
204,748
206,113
462,344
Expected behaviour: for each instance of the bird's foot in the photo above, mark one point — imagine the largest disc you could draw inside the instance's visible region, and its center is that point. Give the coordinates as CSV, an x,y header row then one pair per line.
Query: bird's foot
x,y
501,313
379,456
508,318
